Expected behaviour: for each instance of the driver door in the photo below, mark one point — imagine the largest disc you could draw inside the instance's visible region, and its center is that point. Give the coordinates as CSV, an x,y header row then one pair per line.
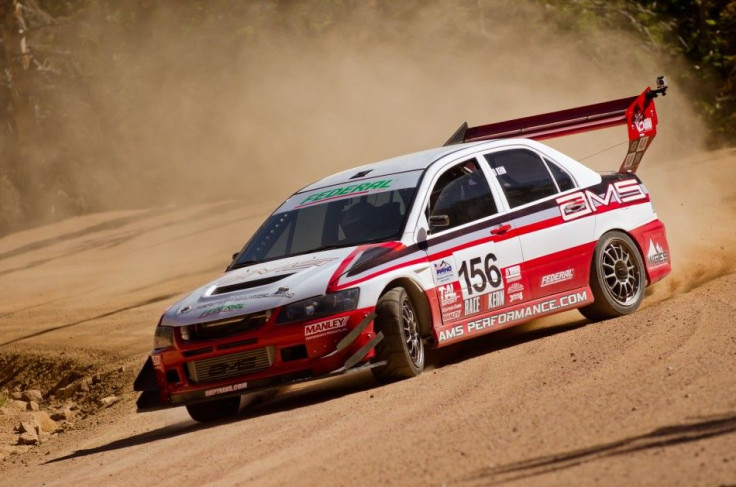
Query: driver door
x,y
470,247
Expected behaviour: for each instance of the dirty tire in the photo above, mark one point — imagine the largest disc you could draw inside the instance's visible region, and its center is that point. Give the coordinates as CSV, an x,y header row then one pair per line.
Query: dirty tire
x,y
617,278
402,346
206,412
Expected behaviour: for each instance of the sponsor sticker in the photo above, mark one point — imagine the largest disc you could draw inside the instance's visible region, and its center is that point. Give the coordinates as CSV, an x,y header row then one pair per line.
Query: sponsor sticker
x,y
225,389
306,264
383,184
222,309
448,295
443,272
455,332
581,203
496,299
557,277
515,288
515,315
324,328
452,315
516,297
544,307
656,255
512,273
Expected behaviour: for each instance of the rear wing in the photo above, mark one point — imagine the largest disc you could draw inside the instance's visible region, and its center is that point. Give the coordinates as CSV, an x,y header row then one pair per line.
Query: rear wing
x,y
637,112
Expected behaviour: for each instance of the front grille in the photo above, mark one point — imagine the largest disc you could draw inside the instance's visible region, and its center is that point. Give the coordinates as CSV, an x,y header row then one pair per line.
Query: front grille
x,y
233,365
215,330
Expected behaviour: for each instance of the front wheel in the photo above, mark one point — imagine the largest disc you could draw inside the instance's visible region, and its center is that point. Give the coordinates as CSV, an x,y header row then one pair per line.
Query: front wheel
x,y
617,278
401,348
206,412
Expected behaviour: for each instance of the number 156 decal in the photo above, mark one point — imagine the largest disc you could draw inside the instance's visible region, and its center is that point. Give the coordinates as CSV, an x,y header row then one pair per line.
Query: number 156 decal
x,y
478,273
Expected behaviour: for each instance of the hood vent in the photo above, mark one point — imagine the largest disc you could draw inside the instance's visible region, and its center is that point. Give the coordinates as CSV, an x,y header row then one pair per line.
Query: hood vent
x,y
249,284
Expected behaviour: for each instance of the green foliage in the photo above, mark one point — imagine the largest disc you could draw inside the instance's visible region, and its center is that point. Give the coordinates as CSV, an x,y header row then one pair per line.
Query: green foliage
x,y
701,31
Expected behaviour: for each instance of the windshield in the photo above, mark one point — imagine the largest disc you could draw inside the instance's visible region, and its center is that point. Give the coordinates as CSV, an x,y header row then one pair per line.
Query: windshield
x,y
340,216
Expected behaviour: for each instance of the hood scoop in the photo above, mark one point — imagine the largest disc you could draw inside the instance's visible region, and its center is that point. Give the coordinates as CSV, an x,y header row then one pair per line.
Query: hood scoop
x,y
248,284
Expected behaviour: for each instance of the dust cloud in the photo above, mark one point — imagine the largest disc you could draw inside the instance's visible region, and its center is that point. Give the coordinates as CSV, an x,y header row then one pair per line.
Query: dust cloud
x,y
253,103
256,102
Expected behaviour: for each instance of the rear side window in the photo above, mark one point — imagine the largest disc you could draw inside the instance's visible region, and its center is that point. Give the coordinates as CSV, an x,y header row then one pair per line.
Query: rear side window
x,y
564,181
523,176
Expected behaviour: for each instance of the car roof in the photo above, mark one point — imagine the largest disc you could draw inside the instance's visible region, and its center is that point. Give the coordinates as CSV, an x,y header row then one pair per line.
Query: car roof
x,y
418,161
415,161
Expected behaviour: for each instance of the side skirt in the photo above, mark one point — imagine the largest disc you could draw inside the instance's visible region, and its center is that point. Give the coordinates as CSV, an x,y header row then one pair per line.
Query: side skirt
x,y
514,315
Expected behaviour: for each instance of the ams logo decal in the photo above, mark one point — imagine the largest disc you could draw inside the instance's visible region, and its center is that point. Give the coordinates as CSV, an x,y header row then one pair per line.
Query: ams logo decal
x,y
581,203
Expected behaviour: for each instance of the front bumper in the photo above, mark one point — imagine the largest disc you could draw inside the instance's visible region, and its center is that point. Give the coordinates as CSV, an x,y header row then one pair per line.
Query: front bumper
x,y
273,357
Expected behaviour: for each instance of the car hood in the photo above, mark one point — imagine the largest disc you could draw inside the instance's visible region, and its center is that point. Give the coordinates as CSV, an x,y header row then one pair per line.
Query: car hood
x,y
258,287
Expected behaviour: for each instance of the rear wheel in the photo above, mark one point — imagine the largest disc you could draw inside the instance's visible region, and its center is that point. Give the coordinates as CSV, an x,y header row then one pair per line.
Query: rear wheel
x,y
617,278
402,346
206,412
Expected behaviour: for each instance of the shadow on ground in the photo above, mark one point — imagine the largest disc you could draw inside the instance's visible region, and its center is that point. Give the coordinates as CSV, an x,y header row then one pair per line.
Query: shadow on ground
x,y
698,429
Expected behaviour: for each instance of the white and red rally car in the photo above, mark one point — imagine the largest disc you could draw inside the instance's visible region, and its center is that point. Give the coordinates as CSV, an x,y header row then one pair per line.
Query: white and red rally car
x,y
368,268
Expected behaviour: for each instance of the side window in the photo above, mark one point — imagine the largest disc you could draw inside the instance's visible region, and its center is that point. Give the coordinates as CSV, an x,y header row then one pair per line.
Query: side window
x,y
522,175
564,181
461,195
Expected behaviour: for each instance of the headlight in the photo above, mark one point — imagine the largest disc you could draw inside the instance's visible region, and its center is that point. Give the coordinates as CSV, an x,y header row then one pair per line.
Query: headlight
x,y
320,306
163,337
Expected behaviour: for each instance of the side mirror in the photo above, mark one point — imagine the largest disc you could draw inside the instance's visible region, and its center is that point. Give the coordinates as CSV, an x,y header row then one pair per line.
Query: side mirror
x,y
232,261
439,221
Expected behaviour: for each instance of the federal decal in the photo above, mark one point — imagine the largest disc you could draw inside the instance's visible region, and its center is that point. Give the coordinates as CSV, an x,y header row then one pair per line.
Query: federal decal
x,y
557,277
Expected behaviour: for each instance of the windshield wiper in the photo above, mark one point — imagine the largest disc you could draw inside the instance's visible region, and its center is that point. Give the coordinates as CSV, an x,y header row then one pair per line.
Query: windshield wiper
x,y
245,263
324,247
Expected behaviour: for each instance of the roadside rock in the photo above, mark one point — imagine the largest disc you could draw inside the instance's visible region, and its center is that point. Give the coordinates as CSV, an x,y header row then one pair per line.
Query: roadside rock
x,y
65,414
44,422
17,395
21,405
27,427
32,395
32,406
109,400
28,439
66,392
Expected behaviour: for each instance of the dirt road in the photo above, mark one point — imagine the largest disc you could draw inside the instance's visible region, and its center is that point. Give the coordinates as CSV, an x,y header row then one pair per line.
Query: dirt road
x,y
648,399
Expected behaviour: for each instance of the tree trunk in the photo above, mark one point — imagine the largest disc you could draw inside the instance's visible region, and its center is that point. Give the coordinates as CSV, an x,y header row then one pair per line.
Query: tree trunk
x,y
15,114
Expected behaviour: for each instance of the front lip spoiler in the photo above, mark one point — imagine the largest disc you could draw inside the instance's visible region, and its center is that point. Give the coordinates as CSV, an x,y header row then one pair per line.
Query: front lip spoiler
x,y
150,399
